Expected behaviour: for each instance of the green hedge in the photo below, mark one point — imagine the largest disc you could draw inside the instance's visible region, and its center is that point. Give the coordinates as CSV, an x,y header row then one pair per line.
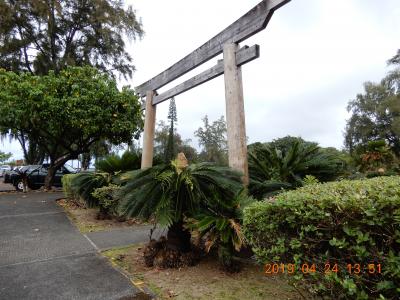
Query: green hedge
x,y
346,222
67,189
107,198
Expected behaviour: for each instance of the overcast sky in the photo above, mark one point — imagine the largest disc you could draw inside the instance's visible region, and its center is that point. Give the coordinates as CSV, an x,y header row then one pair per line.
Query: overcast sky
x,y
315,57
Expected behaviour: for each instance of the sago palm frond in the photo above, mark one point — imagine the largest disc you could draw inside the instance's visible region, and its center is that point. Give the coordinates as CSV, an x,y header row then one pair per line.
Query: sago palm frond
x,y
83,184
114,163
171,192
272,168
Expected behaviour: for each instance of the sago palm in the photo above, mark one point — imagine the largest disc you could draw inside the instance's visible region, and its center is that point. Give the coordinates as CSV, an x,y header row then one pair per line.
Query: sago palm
x,y
272,168
174,191
113,164
219,223
107,171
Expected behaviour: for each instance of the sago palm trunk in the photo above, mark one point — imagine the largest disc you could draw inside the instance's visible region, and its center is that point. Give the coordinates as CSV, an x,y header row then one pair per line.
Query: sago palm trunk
x,y
178,238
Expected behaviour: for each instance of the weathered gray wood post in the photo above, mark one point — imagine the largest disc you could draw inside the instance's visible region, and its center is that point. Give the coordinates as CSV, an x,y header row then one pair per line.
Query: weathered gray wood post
x,y
235,117
149,128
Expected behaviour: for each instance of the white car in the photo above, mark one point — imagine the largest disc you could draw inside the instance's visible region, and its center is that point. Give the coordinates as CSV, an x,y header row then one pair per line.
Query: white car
x,y
4,169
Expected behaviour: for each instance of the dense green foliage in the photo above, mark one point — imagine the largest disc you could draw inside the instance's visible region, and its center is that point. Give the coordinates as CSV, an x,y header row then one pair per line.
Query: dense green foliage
x,y
38,36
67,188
67,113
85,183
212,139
162,136
175,190
346,222
107,172
377,159
113,164
107,199
283,163
219,223
4,156
375,115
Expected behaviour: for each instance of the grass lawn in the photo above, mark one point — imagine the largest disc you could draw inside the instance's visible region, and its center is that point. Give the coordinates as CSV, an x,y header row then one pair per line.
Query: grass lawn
x,y
85,218
204,281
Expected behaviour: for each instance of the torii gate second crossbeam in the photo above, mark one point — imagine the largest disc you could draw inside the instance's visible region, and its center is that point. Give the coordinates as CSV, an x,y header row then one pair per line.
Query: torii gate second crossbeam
x,y
226,42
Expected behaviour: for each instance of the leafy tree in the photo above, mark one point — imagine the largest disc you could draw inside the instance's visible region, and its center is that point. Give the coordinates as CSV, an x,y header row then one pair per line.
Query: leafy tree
x,y
4,156
375,114
190,152
69,112
284,163
376,159
39,36
171,145
395,60
212,138
33,153
161,138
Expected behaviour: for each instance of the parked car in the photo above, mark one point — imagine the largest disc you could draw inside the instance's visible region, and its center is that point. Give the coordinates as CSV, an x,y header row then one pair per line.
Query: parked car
x,y
36,175
4,169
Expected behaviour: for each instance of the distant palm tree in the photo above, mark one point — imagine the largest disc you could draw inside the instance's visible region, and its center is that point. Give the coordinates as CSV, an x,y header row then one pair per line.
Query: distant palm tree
x,y
272,168
113,164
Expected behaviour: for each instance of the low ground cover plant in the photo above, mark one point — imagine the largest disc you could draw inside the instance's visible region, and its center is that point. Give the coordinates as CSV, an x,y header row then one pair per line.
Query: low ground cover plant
x,y
343,238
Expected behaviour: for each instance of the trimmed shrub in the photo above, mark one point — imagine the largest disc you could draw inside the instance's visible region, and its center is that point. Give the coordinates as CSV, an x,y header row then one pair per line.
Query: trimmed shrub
x,y
354,226
84,184
67,188
107,198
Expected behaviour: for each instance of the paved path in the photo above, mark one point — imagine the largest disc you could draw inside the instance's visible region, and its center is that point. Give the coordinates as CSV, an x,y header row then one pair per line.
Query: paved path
x,y
5,187
103,240
43,256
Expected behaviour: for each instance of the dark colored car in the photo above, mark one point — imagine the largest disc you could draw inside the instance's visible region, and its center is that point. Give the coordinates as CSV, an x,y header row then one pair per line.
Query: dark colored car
x,y
36,175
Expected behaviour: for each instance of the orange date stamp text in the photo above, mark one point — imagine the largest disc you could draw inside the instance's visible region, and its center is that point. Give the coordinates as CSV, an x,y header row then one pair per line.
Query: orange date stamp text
x,y
309,268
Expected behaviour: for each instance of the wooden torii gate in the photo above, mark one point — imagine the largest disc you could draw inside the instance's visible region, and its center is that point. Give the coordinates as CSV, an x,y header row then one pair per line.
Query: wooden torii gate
x,y
226,42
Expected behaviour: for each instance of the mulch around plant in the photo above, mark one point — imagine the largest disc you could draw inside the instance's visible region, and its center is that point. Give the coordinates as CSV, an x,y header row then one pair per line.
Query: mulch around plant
x,y
202,281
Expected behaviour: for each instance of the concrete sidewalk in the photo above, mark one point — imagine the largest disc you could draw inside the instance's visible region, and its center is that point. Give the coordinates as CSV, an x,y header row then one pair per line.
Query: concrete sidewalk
x,y
103,240
6,187
43,256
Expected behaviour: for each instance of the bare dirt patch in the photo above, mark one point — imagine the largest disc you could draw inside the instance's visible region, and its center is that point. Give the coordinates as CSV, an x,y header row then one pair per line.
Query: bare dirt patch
x,y
86,218
203,281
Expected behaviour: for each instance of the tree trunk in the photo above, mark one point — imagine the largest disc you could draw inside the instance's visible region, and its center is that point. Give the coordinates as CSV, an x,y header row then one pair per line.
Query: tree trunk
x,y
48,181
225,258
85,161
55,164
178,238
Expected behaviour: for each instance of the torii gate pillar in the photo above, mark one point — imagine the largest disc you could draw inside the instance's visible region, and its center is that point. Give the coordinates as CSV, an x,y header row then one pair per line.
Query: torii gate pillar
x,y
235,117
149,128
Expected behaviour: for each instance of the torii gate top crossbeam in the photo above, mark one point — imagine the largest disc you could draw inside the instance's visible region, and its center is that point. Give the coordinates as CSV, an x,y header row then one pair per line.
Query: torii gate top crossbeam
x,y
249,24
